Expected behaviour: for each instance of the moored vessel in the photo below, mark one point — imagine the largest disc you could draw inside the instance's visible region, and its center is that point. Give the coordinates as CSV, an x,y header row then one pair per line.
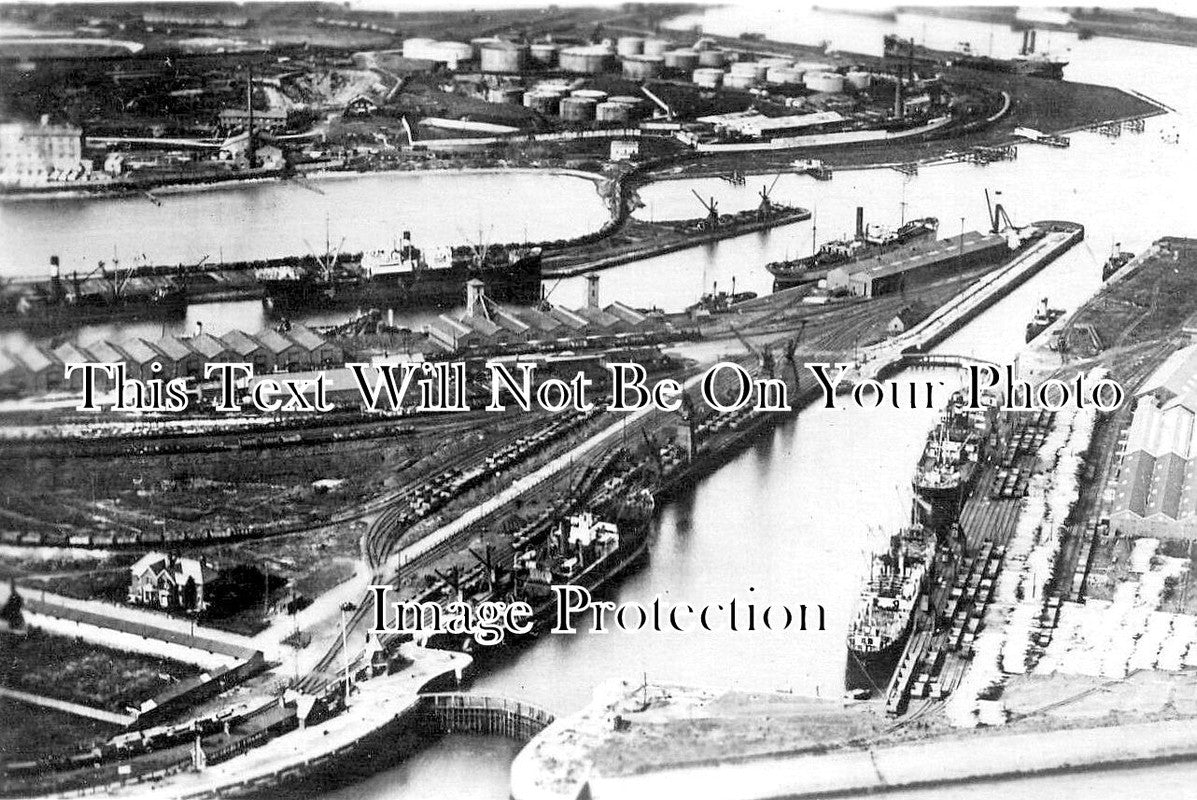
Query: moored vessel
x,y
870,240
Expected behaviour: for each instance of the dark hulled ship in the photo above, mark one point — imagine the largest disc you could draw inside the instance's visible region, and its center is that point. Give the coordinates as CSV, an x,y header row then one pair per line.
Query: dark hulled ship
x,y
1028,62
869,241
887,608
405,275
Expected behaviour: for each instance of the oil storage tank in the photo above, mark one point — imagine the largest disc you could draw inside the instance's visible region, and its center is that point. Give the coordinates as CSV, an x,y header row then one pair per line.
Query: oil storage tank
x,y
859,79
504,57
511,95
585,60
578,109
643,68
681,61
656,47
708,77
547,103
608,111
825,82
544,54
783,76
749,69
637,106
711,58
630,45
733,80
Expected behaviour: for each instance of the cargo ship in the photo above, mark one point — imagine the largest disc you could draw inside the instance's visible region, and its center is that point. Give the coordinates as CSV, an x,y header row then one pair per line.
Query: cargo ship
x,y
1038,65
1118,259
869,241
1043,319
582,549
405,275
950,462
97,296
888,608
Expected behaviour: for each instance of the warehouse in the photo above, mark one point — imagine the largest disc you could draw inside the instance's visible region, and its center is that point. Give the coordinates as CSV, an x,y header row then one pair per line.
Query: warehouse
x,y
544,327
179,359
752,123
453,335
106,353
211,350
248,350
279,352
317,351
142,356
635,321
68,353
896,271
1154,493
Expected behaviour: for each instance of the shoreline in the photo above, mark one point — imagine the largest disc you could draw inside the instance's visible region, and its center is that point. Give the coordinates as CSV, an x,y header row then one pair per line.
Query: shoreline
x,y
236,183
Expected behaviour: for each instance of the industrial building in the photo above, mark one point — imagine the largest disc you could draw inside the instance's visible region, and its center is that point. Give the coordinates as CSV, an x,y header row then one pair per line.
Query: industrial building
x,y
33,370
38,152
1154,491
897,270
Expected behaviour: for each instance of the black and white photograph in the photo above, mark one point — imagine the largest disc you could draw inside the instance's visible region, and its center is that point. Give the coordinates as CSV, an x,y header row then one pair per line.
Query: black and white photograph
x,y
585,400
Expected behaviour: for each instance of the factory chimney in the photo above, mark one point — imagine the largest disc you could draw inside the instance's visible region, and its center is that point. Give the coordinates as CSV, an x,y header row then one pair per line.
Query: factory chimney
x,y
592,291
860,222
899,103
474,303
54,267
250,150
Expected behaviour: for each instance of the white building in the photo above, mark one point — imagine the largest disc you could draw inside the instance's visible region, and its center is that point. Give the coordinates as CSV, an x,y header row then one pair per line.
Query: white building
x,y
38,153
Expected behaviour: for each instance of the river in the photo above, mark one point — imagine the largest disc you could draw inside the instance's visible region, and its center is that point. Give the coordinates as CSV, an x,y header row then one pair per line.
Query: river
x,y
792,520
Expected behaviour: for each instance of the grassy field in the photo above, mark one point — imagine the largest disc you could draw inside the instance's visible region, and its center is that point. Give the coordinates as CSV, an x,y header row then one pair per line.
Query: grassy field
x,y
73,670
32,731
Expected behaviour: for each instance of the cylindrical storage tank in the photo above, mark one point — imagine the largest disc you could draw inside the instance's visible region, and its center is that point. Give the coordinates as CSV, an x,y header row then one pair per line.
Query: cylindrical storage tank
x,y
776,62
681,60
711,58
597,95
630,46
512,95
704,44
859,79
734,81
504,57
416,47
611,112
459,51
637,106
584,60
544,54
709,77
827,82
782,76
578,109
656,47
752,69
543,102
643,68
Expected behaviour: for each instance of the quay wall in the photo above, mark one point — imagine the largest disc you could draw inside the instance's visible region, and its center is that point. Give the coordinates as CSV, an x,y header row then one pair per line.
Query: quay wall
x,y
456,712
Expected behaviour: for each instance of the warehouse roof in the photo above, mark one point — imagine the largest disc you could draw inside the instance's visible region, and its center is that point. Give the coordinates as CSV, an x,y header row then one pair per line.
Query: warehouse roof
x,y
899,261
240,343
304,337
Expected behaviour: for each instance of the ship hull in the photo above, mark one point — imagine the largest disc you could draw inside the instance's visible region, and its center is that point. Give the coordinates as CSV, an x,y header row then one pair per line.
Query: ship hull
x,y
50,315
896,49
517,283
871,670
801,271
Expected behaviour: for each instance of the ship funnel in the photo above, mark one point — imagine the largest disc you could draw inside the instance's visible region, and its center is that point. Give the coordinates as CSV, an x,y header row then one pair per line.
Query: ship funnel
x,y
860,222
592,291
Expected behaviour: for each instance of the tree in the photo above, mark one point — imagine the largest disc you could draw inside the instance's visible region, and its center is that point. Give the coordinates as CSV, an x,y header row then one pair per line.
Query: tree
x,y
190,594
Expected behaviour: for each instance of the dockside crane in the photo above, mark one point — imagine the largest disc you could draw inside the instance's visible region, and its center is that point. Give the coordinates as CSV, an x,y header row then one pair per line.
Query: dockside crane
x,y
328,262
766,209
764,354
712,220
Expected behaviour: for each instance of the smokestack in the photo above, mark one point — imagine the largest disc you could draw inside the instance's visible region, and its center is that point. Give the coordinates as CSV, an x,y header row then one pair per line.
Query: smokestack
x,y
249,108
54,267
860,222
899,103
474,289
592,291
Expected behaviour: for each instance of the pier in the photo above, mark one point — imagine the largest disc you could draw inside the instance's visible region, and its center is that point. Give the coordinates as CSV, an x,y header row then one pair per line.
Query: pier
x,y
460,712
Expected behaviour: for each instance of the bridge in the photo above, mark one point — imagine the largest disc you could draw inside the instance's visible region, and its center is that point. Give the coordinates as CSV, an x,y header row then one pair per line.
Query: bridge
x,y
461,712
